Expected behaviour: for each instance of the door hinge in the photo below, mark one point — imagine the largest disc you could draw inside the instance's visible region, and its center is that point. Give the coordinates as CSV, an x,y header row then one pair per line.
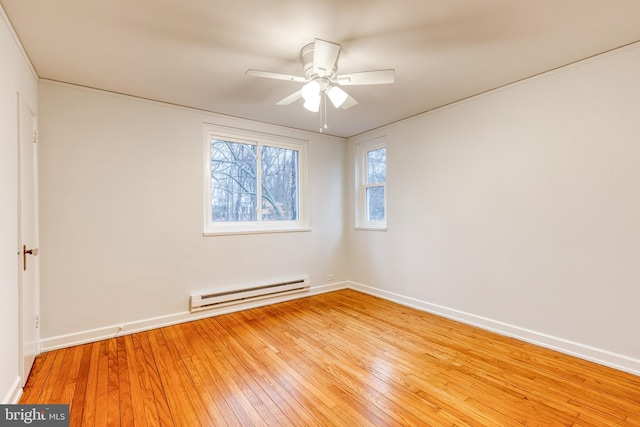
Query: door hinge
x,y
37,321
35,136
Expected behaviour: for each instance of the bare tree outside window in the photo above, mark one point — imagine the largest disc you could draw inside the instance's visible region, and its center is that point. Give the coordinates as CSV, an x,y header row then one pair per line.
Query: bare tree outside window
x,y
234,182
254,182
279,184
376,174
371,183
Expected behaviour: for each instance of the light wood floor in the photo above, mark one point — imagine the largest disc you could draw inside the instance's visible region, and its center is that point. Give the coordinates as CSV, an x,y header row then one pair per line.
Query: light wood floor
x,y
342,358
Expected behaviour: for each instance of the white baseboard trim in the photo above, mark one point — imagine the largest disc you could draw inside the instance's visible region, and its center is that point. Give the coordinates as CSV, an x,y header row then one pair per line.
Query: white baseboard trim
x,y
603,357
92,335
15,392
582,351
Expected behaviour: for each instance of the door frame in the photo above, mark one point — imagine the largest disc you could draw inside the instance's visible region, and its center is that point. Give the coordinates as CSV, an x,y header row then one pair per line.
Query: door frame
x,y
34,261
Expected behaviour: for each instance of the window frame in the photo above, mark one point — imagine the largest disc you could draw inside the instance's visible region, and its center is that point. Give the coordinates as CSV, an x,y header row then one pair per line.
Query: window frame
x,y
361,156
259,139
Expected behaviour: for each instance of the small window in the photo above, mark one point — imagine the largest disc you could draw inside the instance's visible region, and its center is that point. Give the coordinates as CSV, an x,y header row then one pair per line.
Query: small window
x,y
371,178
254,182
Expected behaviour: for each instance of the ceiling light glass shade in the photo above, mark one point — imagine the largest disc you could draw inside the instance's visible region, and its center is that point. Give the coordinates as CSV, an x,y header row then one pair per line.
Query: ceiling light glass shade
x,y
337,96
313,103
311,90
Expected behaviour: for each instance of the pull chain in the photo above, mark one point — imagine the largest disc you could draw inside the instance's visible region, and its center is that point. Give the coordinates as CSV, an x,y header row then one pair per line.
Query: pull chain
x,y
323,113
325,110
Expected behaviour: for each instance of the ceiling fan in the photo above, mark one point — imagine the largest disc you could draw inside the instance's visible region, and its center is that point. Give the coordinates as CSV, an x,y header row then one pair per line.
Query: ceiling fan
x,y
320,63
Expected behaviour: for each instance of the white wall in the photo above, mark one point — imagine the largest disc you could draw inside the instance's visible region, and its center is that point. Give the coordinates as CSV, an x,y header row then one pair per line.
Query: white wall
x,y
516,210
122,215
16,76
519,210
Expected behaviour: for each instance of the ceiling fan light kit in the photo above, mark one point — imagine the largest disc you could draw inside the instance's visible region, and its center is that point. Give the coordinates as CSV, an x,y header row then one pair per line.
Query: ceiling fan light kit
x,y
337,96
311,89
320,65
313,104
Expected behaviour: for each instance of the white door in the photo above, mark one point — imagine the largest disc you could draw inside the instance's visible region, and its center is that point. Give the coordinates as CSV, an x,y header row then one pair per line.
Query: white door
x,y
28,236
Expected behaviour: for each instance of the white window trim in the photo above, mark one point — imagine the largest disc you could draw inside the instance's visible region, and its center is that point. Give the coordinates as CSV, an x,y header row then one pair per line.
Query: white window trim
x,y
361,222
245,136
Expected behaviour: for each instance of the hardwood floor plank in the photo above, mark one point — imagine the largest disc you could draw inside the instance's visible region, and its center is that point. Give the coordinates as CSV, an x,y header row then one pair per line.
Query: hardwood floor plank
x,y
145,412
77,401
256,375
73,382
65,378
215,388
300,361
49,385
370,387
300,355
305,405
153,383
256,403
337,359
124,397
113,396
42,369
102,384
180,405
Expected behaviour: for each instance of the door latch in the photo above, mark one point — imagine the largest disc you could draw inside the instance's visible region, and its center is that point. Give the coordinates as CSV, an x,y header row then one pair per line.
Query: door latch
x,y
33,252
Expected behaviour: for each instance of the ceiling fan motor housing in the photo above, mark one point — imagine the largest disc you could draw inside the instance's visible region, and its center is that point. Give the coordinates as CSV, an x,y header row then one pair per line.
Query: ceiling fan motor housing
x,y
306,54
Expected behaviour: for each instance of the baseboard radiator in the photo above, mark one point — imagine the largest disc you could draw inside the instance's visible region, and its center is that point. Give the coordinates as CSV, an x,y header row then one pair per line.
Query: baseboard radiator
x,y
224,298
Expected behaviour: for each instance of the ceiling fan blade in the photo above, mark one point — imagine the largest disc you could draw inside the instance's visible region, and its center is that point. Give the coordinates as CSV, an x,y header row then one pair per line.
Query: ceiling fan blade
x,y
290,99
350,102
325,56
377,77
277,76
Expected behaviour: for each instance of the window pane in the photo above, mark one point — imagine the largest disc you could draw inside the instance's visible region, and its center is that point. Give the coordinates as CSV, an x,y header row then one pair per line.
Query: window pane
x,y
377,166
279,184
233,181
375,203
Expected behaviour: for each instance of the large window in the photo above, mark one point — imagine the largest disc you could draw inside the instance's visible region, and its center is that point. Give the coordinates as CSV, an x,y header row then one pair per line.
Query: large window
x,y
254,182
371,179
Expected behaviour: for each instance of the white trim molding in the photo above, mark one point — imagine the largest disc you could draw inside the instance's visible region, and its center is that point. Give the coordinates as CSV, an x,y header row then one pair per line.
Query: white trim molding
x,y
582,351
362,222
259,140
16,39
15,392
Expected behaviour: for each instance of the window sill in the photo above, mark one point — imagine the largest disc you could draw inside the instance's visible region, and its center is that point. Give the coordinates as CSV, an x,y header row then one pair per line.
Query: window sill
x,y
255,231
370,228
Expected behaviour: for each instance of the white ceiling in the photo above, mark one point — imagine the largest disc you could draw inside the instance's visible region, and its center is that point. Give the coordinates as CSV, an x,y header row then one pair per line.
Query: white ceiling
x,y
196,52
